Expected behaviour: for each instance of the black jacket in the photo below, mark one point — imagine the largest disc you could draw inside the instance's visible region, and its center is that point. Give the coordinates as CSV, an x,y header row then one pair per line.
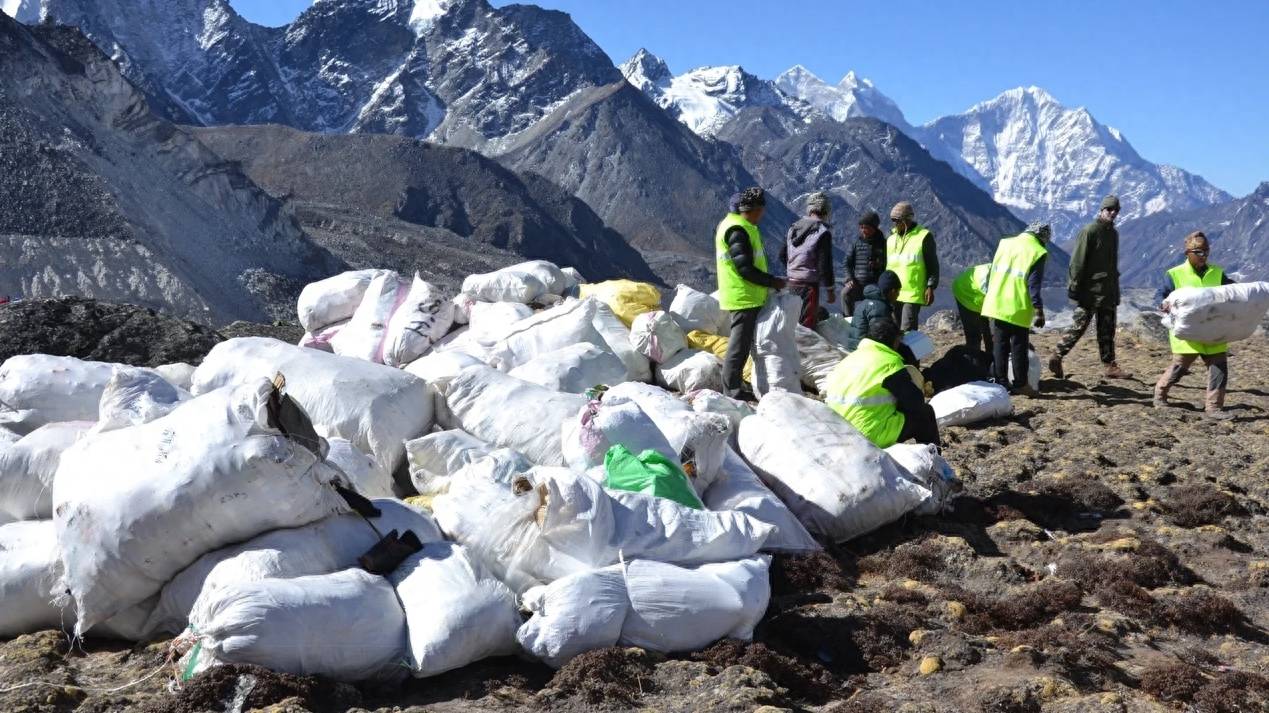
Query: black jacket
x,y
866,260
742,257
919,419
1093,278
873,307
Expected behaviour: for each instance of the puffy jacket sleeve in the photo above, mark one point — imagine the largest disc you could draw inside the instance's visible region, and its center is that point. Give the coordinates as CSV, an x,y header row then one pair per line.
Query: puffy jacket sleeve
x,y
741,254
930,253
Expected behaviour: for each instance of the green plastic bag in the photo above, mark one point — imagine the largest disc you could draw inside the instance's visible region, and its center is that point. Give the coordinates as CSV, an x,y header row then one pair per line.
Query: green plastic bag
x,y
649,473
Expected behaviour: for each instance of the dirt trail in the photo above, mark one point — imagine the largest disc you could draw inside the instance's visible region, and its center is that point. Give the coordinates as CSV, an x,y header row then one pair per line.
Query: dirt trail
x,y
1106,557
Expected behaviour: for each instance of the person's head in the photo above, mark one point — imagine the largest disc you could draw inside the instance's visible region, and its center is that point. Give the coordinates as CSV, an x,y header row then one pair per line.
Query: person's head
x,y
884,331
902,217
1110,209
869,224
1197,249
1040,230
819,206
888,283
751,203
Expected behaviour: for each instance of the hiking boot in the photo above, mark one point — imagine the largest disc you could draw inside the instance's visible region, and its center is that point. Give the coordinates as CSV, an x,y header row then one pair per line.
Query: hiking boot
x,y
1114,372
1218,415
1055,366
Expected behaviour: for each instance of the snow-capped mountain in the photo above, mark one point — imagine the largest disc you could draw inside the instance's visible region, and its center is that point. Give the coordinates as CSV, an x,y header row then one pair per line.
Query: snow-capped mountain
x,y
1042,159
852,97
707,97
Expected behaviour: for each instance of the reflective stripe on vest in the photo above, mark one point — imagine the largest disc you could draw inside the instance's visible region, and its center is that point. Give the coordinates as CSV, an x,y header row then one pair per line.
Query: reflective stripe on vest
x,y
854,391
905,256
1183,275
970,287
1007,298
734,291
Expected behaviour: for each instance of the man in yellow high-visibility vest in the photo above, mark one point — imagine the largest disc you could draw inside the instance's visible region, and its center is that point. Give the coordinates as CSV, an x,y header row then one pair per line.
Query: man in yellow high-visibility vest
x,y
910,254
873,390
1013,303
743,281
1195,272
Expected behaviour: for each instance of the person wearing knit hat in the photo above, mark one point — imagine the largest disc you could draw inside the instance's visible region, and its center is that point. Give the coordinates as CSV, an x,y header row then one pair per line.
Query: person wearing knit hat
x,y
1014,304
865,260
807,255
877,305
1093,284
1195,272
743,281
910,253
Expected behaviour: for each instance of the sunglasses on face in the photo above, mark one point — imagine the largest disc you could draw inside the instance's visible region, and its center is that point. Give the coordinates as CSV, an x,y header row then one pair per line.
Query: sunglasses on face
x,y
1200,253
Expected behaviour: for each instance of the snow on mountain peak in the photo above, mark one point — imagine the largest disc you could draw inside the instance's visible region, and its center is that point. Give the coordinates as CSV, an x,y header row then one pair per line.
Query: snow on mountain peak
x,y
853,96
703,98
425,12
644,70
27,11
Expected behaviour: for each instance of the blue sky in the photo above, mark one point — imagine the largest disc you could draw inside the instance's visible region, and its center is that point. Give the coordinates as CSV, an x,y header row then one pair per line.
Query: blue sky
x,y
1187,82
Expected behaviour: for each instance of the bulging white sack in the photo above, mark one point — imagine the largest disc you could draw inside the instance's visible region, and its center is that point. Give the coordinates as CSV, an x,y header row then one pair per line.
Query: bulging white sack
x,y
920,344
971,403
923,462
462,307
838,483
456,613
573,276
696,311
710,401
699,438
135,506
37,389
376,407
1033,369
657,336
438,457
617,337
178,374
365,473
28,587
364,335
346,625
653,605
508,412
521,283
818,357
334,299
441,365
490,319
321,340
835,329
1217,314
776,362
27,469
568,522
573,369
600,426
561,326
136,396
322,547
691,370
739,488
421,320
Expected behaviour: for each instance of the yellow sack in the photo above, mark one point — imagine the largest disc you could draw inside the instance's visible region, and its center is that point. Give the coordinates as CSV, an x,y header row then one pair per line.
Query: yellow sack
x,y
627,298
717,346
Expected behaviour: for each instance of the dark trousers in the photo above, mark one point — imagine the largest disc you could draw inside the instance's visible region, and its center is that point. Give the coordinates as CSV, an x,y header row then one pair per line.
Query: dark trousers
x,y
977,330
739,346
923,429
1011,344
907,316
1105,331
852,297
810,294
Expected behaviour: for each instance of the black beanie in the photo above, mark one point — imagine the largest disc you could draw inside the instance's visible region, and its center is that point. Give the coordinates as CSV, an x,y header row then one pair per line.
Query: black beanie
x,y
870,218
887,281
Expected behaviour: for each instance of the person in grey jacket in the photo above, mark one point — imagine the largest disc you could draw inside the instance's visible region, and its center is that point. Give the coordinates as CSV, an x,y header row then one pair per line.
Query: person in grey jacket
x,y
807,255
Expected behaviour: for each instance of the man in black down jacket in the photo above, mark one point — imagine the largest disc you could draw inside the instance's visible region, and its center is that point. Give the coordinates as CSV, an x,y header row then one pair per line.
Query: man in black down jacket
x,y
865,261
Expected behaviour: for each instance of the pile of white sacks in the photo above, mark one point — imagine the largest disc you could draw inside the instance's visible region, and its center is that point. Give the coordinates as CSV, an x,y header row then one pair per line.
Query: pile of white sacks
x,y
231,505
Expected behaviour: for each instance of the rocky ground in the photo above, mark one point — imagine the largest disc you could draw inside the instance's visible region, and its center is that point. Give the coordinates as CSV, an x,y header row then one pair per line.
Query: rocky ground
x,y
1105,557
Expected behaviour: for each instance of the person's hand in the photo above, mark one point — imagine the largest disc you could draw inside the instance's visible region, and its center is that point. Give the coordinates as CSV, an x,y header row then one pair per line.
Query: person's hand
x,y
929,295
832,295
1164,307
1039,319
779,282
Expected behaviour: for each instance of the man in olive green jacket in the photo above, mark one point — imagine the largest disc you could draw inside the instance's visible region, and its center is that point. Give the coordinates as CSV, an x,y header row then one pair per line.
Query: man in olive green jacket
x,y
1093,284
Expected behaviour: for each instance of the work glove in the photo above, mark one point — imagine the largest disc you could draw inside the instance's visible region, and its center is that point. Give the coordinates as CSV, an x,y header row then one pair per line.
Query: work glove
x,y
1039,319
